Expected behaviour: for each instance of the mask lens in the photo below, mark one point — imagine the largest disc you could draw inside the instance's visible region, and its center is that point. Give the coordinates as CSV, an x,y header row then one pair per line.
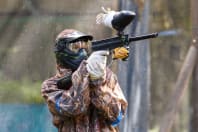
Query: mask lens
x,y
76,46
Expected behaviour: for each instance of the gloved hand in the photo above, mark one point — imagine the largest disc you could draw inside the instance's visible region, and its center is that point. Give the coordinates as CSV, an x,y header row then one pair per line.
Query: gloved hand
x,y
96,64
120,53
105,17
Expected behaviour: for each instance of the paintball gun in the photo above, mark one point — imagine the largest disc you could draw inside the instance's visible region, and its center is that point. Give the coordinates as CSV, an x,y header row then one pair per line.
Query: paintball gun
x,y
117,21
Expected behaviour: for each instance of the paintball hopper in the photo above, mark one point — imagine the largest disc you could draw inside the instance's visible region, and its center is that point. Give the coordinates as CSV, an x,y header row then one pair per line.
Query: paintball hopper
x,y
122,19
117,20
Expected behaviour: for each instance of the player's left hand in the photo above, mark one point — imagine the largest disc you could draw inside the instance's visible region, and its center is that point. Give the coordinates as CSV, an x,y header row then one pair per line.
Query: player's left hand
x,y
120,53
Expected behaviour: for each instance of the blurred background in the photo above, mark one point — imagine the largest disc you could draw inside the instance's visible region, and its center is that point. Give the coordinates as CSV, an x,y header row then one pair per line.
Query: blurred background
x,y
28,29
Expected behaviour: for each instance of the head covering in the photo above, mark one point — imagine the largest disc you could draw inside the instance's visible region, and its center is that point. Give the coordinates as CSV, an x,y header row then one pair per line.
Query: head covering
x,y
64,56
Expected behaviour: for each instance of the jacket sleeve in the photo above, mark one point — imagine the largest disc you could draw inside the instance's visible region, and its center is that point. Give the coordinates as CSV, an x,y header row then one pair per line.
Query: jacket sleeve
x,y
70,102
107,96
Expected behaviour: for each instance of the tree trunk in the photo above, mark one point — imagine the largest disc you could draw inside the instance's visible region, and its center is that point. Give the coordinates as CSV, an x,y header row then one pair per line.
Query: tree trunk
x,y
194,89
136,76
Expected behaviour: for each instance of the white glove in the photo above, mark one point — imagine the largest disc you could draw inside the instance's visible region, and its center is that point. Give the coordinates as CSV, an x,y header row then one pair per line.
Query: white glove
x,y
96,64
106,17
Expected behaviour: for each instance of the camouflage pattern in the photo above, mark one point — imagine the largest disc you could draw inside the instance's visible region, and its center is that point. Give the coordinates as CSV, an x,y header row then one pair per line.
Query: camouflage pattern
x,y
87,106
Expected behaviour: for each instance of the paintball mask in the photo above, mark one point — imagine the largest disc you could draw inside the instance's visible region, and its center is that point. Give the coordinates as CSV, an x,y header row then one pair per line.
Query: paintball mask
x,y
71,48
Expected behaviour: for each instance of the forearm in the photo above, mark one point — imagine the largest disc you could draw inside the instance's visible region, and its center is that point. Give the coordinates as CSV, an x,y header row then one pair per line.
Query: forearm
x,y
108,98
68,102
106,104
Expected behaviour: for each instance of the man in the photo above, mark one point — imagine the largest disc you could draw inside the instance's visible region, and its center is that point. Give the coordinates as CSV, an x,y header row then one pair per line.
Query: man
x,y
84,95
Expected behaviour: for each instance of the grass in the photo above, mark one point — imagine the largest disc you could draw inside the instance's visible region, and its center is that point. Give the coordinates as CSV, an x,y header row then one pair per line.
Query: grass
x,y
20,92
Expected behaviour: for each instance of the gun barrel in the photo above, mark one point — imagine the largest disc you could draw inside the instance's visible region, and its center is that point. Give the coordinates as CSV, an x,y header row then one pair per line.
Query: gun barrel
x,y
147,36
112,43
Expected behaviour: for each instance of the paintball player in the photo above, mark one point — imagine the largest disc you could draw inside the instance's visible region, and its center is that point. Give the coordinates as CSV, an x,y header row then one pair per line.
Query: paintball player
x,y
92,101
84,95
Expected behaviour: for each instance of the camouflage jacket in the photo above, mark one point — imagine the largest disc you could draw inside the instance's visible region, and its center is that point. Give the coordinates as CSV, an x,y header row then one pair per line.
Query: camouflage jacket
x,y
87,106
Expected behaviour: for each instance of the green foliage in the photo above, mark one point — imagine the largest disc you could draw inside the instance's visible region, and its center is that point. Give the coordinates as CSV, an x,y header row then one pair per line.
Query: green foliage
x,y
20,92
155,129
